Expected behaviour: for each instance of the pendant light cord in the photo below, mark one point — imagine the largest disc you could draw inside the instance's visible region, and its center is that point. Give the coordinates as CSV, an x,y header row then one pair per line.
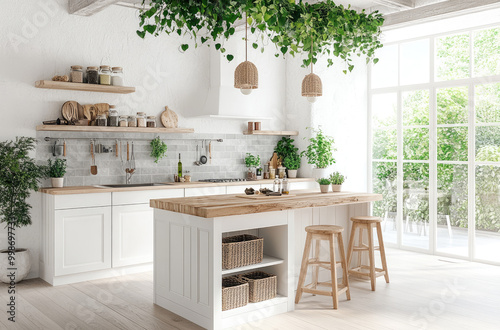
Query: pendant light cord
x,y
246,36
311,55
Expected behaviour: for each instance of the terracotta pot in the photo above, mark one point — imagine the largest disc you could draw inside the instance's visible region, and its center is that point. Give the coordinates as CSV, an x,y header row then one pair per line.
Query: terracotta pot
x,y
324,188
336,187
22,262
292,173
57,182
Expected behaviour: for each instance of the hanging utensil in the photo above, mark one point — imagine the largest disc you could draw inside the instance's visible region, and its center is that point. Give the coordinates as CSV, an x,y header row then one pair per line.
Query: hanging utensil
x,y
210,151
64,148
132,159
93,167
203,158
116,148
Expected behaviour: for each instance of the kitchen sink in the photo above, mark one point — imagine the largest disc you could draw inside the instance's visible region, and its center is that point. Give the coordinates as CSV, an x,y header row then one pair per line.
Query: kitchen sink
x,y
132,185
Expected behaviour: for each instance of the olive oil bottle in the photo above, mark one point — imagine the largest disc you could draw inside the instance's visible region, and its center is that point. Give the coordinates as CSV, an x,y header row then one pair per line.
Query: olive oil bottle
x,y
179,167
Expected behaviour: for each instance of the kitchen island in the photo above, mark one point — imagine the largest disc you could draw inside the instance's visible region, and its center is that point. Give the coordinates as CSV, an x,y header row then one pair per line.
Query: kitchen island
x,y
188,252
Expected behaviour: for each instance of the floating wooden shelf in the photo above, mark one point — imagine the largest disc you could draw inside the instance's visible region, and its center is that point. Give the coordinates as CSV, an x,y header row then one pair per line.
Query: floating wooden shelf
x,y
266,262
49,84
260,132
105,129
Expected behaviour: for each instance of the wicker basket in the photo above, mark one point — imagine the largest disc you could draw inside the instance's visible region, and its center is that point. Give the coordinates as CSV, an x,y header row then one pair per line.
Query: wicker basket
x,y
263,286
241,250
234,293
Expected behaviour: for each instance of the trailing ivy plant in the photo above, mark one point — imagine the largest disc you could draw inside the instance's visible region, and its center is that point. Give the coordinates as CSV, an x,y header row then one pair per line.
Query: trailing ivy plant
x,y
319,29
158,149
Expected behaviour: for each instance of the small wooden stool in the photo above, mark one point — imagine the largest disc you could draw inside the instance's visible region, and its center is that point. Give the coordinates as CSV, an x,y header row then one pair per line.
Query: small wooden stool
x,y
326,233
367,223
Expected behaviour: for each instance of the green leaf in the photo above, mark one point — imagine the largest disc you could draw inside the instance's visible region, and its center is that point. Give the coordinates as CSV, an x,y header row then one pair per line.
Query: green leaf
x,y
255,45
150,28
218,46
184,47
230,57
141,34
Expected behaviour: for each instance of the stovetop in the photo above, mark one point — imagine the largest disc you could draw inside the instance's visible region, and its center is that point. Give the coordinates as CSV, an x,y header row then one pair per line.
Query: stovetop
x,y
222,180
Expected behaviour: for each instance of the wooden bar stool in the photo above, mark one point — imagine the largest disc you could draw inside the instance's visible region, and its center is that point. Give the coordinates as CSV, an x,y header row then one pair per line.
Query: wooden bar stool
x,y
323,233
367,223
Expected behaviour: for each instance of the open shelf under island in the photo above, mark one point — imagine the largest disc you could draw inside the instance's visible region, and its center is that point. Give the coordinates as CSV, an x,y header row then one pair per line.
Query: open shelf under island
x,y
188,248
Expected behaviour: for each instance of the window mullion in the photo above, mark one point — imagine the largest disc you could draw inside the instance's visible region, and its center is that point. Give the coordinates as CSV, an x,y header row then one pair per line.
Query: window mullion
x,y
432,154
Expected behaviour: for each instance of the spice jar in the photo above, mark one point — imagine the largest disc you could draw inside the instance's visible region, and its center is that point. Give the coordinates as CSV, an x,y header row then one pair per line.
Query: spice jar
x,y
151,121
105,75
76,74
101,120
132,121
92,75
117,77
113,116
141,119
123,121
281,172
272,172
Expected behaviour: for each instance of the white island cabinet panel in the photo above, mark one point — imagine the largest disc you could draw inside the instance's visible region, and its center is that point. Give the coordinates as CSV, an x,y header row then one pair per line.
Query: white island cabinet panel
x,y
79,201
144,196
132,235
205,191
82,240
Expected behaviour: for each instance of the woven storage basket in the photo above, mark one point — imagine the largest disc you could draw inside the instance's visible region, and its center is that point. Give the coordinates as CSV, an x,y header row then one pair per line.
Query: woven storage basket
x,y
234,293
241,250
263,286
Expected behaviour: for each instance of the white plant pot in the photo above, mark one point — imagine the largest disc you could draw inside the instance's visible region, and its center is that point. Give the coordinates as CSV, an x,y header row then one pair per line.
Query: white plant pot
x,y
292,173
336,187
22,262
324,188
57,182
319,173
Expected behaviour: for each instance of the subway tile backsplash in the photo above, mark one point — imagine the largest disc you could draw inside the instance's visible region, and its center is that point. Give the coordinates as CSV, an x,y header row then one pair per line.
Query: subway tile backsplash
x,y
227,156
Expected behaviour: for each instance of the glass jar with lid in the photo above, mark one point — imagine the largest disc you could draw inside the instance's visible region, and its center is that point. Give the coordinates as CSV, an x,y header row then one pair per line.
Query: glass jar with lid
x,y
113,116
151,121
76,74
92,75
141,119
123,121
117,76
105,75
132,121
101,120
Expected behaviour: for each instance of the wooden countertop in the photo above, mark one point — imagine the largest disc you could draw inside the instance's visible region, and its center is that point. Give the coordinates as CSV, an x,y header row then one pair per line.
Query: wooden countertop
x,y
227,205
171,185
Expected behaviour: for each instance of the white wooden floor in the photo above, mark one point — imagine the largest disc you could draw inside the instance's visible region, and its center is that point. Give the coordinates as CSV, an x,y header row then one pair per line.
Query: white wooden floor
x,y
426,292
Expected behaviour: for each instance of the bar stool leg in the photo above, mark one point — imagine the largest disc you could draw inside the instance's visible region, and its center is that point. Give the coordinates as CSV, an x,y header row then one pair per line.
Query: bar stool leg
x,y
360,243
303,267
371,252
333,266
350,249
315,272
345,279
382,251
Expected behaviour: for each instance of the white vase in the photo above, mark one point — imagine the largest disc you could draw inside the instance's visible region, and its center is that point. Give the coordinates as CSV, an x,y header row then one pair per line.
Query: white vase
x,y
22,262
336,187
319,173
292,173
324,188
57,182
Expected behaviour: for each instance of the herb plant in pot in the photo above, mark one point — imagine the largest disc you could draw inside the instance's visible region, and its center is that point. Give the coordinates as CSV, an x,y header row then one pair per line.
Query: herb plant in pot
x,y
319,153
292,163
19,175
56,170
324,184
252,162
337,180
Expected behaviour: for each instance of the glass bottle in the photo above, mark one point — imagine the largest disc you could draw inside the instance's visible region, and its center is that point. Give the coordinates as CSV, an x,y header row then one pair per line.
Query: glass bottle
x,y
141,119
117,76
179,167
92,75
277,185
105,75
113,116
285,186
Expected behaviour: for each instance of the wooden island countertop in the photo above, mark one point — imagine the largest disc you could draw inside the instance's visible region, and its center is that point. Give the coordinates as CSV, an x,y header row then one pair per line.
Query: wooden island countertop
x,y
228,205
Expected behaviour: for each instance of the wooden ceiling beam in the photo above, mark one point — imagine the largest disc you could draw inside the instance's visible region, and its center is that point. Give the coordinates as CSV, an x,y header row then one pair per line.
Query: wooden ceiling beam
x,y
88,7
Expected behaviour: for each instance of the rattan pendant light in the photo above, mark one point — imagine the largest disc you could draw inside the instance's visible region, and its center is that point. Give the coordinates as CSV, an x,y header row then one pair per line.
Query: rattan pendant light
x,y
312,87
246,75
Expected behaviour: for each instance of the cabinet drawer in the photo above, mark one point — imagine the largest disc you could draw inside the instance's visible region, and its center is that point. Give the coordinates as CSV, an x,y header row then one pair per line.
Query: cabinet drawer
x,y
62,202
143,197
192,192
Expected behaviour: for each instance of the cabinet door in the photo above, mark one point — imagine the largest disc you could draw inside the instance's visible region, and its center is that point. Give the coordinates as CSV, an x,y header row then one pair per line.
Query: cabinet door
x,y
132,235
82,240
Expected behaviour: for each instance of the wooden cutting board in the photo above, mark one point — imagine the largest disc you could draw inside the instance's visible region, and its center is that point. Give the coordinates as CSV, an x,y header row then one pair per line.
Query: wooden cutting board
x,y
70,111
263,196
169,118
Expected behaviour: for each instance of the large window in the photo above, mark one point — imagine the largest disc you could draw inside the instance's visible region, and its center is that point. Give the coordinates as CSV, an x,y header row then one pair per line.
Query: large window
x,y
435,143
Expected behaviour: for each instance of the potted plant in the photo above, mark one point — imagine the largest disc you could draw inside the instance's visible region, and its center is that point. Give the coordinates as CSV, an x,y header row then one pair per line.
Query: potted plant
x,y
319,153
19,175
56,170
324,184
292,163
252,162
337,180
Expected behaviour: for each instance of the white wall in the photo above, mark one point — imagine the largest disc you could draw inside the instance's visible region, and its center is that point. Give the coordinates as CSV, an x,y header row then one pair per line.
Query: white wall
x,y
40,39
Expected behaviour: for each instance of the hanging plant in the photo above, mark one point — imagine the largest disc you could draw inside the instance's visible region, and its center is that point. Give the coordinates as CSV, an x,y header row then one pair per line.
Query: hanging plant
x,y
158,149
335,31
